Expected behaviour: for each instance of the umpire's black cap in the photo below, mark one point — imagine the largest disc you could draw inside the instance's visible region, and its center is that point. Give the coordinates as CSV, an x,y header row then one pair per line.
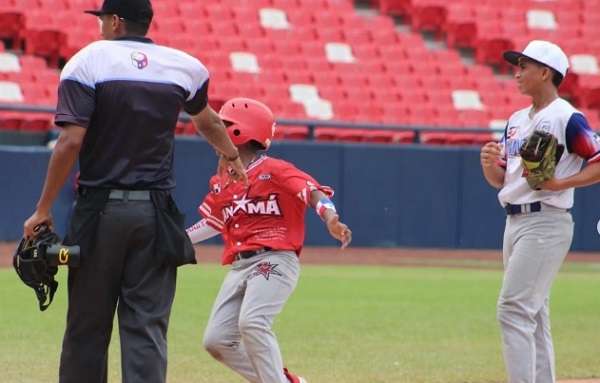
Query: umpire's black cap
x,y
137,11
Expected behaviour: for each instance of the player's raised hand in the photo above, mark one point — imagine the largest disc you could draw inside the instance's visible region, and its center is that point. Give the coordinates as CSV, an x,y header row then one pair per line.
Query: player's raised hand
x,y
339,230
490,154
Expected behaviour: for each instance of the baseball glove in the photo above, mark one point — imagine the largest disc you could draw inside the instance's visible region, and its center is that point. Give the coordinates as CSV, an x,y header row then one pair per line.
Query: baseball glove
x,y
36,260
540,154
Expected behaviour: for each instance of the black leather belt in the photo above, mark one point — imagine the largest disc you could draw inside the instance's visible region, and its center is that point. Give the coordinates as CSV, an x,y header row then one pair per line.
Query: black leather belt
x,y
525,208
129,195
251,253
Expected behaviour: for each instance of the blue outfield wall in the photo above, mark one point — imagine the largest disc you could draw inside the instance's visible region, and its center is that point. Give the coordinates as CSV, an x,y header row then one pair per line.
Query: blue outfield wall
x,y
412,196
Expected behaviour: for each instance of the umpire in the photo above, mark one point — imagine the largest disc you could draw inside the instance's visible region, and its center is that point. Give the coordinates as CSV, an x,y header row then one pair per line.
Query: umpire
x,y
118,103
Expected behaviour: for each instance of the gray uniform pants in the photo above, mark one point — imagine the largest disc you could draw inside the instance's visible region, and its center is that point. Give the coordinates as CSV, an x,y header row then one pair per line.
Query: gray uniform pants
x,y
119,272
535,246
239,331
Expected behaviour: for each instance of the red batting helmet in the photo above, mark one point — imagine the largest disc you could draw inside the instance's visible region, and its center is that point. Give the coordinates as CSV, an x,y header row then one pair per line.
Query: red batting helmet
x,y
250,120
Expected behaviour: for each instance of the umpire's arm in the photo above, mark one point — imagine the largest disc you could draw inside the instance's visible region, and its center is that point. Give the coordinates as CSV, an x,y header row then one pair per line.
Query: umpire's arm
x,y
63,159
209,124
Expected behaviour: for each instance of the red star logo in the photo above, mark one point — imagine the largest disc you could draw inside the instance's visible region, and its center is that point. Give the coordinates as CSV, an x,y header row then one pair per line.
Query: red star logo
x,y
266,269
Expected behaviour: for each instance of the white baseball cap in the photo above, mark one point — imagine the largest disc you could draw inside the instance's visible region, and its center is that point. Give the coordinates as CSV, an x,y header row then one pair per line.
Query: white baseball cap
x,y
543,52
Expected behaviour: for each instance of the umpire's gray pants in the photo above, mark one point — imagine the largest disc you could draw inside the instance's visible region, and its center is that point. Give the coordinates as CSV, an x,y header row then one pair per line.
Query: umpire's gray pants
x,y
120,272
239,331
535,246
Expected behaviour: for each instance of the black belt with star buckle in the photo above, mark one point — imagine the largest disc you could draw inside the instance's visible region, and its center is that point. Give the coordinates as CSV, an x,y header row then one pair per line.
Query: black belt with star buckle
x,y
251,253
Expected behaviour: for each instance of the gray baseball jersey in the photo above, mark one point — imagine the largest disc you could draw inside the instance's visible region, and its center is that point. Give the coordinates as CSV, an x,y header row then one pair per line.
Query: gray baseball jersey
x,y
537,237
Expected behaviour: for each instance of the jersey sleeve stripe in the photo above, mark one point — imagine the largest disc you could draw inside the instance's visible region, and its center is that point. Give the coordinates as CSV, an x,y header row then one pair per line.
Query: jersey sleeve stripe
x,y
594,158
303,195
205,206
204,210
214,223
208,215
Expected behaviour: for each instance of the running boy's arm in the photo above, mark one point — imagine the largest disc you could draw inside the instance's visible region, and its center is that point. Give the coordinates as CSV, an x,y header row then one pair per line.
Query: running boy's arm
x,y
212,224
326,210
201,231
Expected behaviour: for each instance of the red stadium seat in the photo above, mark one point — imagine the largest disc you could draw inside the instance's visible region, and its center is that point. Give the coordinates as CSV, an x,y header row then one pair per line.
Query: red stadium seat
x,y
163,10
288,132
589,93
467,139
293,110
36,122
169,27
339,134
298,76
353,81
429,15
434,138
11,120
11,23
333,93
325,80
380,136
460,26
245,14
327,20
286,48
223,28
394,7
219,12
45,43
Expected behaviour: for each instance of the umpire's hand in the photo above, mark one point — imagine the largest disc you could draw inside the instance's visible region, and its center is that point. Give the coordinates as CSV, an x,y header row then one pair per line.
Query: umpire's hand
x,y
33,223
233,170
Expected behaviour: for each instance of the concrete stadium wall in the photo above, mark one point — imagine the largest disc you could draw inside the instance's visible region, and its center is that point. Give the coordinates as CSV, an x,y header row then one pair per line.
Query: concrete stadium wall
x,y
413,196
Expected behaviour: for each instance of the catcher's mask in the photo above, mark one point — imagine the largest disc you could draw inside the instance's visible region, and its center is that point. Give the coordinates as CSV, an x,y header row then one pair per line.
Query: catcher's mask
x,y
36,260
249,120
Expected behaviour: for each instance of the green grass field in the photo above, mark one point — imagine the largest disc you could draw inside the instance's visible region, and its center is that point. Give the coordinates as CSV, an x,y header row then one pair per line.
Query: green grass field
x,y
343,324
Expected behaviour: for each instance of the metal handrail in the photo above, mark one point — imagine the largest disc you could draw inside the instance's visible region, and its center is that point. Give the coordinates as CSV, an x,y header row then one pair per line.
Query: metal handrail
x,y
310,124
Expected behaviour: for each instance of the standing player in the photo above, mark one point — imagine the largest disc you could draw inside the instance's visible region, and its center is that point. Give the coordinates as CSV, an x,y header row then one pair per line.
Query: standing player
x,y
539,227
118,103
262,224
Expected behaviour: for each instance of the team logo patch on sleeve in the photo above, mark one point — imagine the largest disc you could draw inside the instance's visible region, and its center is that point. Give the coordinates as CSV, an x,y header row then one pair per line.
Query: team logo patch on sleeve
x,y
266,269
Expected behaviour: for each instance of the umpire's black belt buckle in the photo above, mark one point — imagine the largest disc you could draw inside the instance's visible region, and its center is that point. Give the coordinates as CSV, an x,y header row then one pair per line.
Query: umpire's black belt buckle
x,y
522,209
251,253
129,195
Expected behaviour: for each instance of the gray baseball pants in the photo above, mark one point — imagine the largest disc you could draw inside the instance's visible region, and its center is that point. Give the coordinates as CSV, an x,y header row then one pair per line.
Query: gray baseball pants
x,y
239,331
535,246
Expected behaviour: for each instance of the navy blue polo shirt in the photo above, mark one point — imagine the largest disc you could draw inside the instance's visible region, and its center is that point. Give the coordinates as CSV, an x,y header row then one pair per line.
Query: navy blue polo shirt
x,y
128,93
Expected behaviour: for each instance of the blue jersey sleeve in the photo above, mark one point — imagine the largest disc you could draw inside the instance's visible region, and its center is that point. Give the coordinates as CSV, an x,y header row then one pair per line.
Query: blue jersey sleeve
x,y
581,139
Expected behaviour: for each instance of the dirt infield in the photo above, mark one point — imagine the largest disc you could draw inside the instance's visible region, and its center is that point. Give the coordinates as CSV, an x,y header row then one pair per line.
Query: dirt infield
x,y
368,256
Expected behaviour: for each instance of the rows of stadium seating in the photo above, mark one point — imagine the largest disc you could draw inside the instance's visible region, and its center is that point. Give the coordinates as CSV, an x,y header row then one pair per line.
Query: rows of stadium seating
x,y
494,26
315,59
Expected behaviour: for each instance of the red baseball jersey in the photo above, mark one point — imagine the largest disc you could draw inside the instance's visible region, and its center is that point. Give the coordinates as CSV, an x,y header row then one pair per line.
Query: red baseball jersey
x,y
269,212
